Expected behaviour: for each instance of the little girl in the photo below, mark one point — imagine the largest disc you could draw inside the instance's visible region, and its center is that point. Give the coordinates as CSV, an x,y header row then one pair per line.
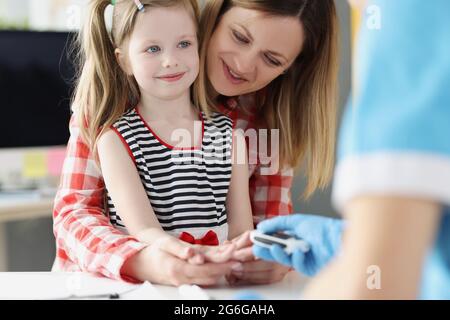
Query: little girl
x,y
169,167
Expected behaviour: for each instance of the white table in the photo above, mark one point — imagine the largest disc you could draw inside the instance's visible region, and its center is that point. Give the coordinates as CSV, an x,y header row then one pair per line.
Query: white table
x,y
48,285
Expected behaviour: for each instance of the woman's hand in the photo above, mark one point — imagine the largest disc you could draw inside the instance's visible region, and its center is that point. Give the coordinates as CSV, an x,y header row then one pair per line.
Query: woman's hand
x,y
215,254
253,271
166,262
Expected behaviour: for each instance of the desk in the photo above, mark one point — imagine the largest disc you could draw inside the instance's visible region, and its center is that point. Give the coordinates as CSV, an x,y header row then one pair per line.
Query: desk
x,y
19,207
48,285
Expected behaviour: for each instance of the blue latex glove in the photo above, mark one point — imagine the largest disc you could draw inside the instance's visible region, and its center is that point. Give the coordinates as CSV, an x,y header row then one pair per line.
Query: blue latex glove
x,y
323,235
247,295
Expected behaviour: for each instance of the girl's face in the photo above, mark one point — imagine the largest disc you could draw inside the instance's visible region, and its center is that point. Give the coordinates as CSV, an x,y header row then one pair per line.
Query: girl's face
x,y
249,49
162,52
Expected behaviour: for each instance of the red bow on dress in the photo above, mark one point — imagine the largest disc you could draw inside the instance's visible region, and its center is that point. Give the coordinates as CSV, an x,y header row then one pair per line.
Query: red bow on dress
x,y
209,239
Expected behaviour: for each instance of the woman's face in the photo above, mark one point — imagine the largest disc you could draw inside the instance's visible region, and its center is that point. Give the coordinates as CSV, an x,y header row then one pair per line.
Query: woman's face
x,y
249,49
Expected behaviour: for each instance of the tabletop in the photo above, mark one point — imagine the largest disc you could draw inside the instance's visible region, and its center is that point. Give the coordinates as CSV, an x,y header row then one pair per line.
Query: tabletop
x,y
65,285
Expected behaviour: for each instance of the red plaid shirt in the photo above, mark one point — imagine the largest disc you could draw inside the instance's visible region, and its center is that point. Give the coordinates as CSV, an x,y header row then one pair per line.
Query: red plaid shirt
x,y
86,240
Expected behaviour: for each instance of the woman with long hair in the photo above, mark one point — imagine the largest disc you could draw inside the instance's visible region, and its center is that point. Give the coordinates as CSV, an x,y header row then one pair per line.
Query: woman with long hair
x,y
269,65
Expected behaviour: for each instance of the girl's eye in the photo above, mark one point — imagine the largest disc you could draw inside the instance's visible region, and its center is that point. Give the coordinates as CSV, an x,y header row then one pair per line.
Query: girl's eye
x,y
154,49
184,44
272,61
239,37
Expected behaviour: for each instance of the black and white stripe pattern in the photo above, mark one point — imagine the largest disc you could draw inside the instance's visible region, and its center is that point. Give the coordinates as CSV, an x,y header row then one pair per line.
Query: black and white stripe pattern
x,y
187,188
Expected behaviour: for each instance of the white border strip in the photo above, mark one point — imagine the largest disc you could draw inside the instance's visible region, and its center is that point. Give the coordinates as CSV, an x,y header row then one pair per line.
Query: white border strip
x,y
402,174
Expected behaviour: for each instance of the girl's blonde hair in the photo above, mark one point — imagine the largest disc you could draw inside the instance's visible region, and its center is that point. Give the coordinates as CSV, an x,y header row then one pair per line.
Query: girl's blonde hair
x,y
302,103
103,90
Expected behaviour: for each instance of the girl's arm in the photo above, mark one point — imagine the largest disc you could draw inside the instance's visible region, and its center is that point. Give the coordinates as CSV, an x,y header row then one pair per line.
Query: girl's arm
x,y
126,190
130,199
383,250
238,204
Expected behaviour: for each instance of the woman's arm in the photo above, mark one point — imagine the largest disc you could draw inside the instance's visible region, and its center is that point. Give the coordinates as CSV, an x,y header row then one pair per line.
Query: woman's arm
x,y
388,238
126,190
270,195
239,211
85,239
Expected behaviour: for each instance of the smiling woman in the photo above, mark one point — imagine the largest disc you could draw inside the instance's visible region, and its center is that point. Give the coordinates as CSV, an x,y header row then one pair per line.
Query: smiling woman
x,y
279,57
250,48
265,64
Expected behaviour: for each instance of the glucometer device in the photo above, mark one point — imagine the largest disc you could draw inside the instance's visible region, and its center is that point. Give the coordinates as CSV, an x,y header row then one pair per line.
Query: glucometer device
x,y
287,242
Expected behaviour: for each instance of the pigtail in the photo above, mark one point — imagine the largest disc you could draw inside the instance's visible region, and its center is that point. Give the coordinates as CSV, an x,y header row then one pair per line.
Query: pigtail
x,y
103,88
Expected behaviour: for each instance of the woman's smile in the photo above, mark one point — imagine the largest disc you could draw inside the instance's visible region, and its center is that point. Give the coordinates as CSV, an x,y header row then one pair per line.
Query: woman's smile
x,y
232,76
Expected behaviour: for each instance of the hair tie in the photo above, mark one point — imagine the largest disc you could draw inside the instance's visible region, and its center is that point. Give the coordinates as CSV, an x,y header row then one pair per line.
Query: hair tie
x,y
139,5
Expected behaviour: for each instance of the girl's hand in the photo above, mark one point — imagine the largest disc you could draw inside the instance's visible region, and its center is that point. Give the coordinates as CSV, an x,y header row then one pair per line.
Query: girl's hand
x,y
215,254
195,254
166,262
254,271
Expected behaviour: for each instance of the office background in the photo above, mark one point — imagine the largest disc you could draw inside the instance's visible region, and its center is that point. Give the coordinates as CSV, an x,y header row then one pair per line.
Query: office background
x,y
30,243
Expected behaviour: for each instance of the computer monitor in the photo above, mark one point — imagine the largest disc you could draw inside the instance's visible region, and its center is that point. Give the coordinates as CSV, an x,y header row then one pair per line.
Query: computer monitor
x,y
36,83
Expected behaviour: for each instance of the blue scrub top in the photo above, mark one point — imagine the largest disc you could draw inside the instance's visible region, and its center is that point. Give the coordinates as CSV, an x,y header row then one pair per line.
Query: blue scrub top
x,y
395,138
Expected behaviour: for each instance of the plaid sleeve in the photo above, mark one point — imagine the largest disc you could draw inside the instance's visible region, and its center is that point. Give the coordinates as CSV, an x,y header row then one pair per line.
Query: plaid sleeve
x,y
85,239
270,195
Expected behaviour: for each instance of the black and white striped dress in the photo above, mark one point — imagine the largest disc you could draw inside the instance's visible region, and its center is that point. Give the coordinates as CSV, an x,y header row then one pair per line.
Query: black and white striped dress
x,y
187,188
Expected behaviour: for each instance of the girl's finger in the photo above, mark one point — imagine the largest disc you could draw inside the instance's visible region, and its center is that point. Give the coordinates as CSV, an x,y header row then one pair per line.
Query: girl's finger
x,y
244,255
244,240
176,247
219,255
197,259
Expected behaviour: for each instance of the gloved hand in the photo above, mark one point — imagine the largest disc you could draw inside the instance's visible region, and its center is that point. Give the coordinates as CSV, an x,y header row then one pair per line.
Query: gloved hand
x,y
323,234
